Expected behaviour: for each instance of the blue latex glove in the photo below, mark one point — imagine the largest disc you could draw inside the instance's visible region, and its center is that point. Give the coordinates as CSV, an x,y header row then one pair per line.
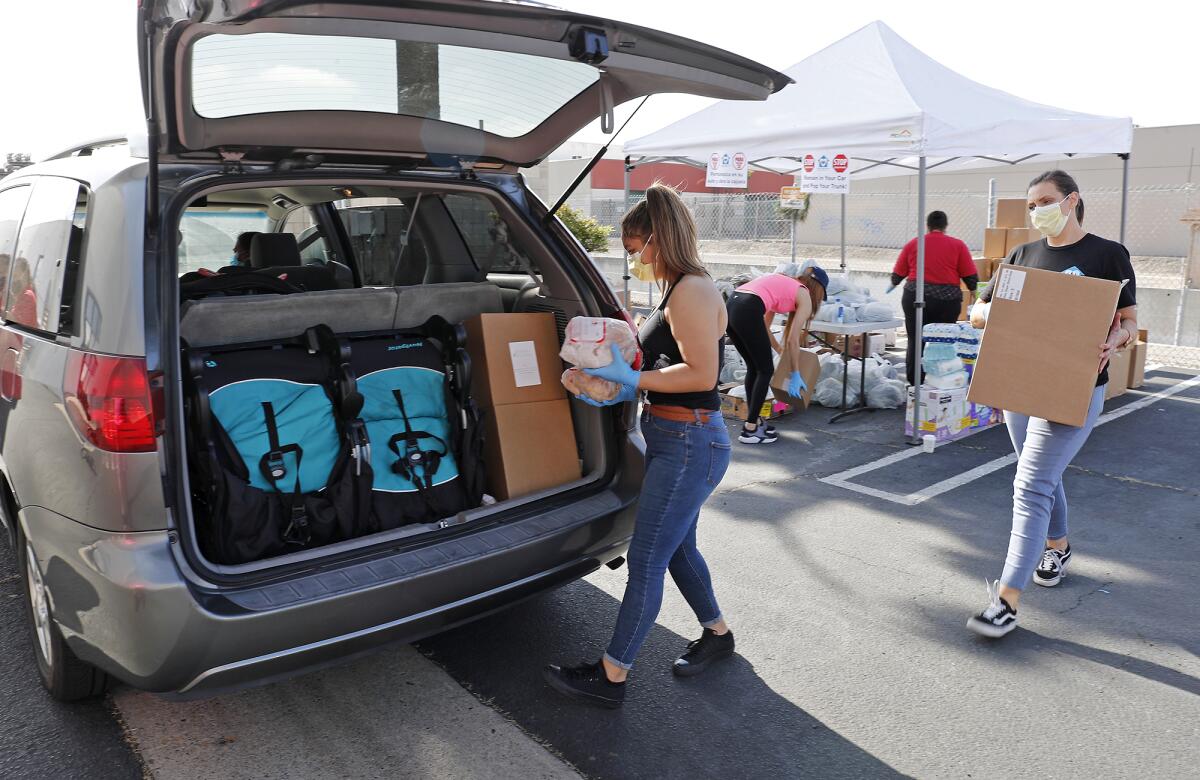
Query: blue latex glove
x,y
627,394
796,384
617,371
889,289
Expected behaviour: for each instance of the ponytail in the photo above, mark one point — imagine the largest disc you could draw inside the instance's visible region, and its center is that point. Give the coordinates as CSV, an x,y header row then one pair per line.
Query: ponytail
x,y
816,290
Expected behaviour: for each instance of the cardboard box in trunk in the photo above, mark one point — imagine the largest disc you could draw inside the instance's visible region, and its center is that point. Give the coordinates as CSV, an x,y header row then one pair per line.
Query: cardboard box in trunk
x,y
529,437
1012,213
514,359
1039,353
529,447
1014,237
1137,365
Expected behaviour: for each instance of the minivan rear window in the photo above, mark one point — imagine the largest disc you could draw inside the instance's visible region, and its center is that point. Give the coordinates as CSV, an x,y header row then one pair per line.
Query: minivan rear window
x,y
502,92
42,280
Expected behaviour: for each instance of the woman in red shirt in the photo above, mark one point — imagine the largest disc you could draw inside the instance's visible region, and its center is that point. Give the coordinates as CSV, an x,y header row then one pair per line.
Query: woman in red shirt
x,y
947,260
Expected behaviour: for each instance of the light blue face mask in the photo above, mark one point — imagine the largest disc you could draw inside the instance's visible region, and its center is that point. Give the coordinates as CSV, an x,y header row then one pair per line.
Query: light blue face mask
x,y
233,259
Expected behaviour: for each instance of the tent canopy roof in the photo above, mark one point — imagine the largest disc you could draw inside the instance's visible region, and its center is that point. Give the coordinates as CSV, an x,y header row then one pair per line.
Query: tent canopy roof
x,y
874,96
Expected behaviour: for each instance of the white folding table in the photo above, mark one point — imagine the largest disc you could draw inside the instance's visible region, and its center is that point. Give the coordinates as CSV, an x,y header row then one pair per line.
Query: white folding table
x,y
846,330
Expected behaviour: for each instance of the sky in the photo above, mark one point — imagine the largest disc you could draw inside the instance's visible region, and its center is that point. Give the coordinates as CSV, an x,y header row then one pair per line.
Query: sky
x,y
68,69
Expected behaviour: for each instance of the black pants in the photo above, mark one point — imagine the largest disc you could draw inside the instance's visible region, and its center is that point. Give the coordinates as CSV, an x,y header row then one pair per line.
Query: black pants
x,y
935,311
748,332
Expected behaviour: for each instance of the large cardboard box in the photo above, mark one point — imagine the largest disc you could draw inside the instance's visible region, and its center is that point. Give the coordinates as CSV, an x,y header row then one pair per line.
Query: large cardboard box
x,y
529,447
1118,373
944,413
735,408
993,242
514,359
1012,213
1039,353
1014,237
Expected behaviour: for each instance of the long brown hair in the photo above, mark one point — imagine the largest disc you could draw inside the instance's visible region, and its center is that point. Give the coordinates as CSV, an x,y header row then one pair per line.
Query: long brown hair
x,y
816,292
664,214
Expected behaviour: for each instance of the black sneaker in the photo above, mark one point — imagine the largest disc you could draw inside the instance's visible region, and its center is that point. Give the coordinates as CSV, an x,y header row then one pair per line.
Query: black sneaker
x,y
586,682
703,652
997,619
1053,567
760,435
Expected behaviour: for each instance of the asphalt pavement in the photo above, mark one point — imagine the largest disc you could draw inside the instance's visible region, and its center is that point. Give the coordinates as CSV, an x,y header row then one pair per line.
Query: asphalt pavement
x,y
848,599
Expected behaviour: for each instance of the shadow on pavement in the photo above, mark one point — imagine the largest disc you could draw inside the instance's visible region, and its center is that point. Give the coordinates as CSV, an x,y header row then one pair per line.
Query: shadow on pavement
x,y
725,723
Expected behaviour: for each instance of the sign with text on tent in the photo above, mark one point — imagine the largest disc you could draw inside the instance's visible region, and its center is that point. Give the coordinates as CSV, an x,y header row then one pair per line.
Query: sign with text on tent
x,y
727,169
793,198
825,172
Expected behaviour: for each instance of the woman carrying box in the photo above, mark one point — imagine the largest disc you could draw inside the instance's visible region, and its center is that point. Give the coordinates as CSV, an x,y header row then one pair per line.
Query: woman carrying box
x,y
687,449
1038,547
752,309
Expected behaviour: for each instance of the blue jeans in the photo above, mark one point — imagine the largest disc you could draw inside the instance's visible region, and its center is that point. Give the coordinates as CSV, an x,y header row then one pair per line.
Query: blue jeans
x,y
1044,450
685,462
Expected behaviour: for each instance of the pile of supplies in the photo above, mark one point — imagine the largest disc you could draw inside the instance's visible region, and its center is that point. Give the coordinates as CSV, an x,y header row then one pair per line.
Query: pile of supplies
x,y
948,359
846,302
883,382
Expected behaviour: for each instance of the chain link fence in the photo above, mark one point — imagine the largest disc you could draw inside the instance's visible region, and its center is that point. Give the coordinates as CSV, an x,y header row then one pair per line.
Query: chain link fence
x,y
740,232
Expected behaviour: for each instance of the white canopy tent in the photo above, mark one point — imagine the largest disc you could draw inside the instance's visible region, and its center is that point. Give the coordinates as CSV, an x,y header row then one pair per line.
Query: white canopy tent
x,y
893,110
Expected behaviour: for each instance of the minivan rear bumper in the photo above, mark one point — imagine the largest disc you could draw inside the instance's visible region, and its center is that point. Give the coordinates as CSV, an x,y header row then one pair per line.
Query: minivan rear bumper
x,y
124,606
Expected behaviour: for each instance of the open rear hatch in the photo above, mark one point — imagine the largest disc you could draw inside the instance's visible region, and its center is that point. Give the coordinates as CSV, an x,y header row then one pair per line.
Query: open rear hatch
x,y
475,80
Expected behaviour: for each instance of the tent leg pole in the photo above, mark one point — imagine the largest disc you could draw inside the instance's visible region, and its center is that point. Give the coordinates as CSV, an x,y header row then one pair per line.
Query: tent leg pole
x,y
919,303
1124,193
843,220
625,255
793,235
991,212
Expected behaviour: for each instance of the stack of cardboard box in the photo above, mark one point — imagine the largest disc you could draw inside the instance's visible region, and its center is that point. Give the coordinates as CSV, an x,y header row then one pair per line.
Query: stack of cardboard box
x,y
1012,229
529,437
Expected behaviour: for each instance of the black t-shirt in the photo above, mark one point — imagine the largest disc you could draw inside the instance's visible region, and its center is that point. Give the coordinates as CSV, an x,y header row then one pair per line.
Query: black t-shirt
x,y
1089,256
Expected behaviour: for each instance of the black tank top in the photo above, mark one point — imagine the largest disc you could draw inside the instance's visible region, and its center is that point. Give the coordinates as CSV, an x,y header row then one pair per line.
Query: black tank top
x,y
660,350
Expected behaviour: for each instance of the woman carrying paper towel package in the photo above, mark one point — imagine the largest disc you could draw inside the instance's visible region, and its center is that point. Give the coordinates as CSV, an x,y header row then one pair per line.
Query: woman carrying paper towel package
x,y
1038,547
687,449
752,309
947,260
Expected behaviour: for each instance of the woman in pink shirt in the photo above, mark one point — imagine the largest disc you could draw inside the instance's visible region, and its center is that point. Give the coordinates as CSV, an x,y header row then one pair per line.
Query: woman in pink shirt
x,y
752,309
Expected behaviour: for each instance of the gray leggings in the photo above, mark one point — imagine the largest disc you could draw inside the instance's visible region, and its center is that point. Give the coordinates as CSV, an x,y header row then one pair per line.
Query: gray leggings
x,y
1044,450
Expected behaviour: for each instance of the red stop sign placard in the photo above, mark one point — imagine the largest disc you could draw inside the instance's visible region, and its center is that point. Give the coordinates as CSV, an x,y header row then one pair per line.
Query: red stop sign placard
x,y
840,163
809,163
739,161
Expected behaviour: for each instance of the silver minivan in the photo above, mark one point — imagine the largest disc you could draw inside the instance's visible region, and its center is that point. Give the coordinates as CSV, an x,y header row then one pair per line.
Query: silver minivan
x,y
369,153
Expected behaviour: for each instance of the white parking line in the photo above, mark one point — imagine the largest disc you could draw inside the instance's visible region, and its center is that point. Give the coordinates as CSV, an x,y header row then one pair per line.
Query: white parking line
x,y
842,479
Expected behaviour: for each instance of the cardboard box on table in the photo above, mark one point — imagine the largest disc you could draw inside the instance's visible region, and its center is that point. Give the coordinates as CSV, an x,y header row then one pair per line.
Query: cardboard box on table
x,y
529,438
1012,213
1014,237
1039,353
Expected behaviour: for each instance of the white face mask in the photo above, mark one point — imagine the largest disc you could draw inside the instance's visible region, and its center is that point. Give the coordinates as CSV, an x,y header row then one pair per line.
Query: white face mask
x,y
643,272
1049,219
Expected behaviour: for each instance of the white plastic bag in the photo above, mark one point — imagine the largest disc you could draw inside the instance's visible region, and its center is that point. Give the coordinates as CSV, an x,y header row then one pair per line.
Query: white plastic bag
x,y
828,392
875,311
588,341
887,394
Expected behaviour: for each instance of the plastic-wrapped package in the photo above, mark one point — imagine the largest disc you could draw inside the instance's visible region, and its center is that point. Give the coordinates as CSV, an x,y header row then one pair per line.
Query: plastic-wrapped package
x,y
948,381
827,313
831,367
588,340
828,392
733,368
838,283
941,367
887,394
875,311
939,350
579,383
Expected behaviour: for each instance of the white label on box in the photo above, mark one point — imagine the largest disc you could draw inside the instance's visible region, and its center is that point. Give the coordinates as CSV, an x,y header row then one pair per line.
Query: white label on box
x,y
1010,284
525,364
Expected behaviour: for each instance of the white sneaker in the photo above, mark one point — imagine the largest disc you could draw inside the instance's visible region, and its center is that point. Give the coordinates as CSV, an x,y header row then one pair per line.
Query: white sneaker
x,y
1053,567
997,619
760,435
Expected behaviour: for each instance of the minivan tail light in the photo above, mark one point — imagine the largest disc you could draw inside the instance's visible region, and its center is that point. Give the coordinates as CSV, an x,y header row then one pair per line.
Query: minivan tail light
x,y
109,399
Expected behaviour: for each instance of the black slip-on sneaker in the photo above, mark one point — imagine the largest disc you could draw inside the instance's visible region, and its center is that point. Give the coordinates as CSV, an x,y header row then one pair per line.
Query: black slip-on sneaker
x,y
997,619
703,652
587,683
1053,567
760,435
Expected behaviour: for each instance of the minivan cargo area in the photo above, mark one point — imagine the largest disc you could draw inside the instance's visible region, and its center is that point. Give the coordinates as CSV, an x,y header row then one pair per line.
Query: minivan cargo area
x,y
369,362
